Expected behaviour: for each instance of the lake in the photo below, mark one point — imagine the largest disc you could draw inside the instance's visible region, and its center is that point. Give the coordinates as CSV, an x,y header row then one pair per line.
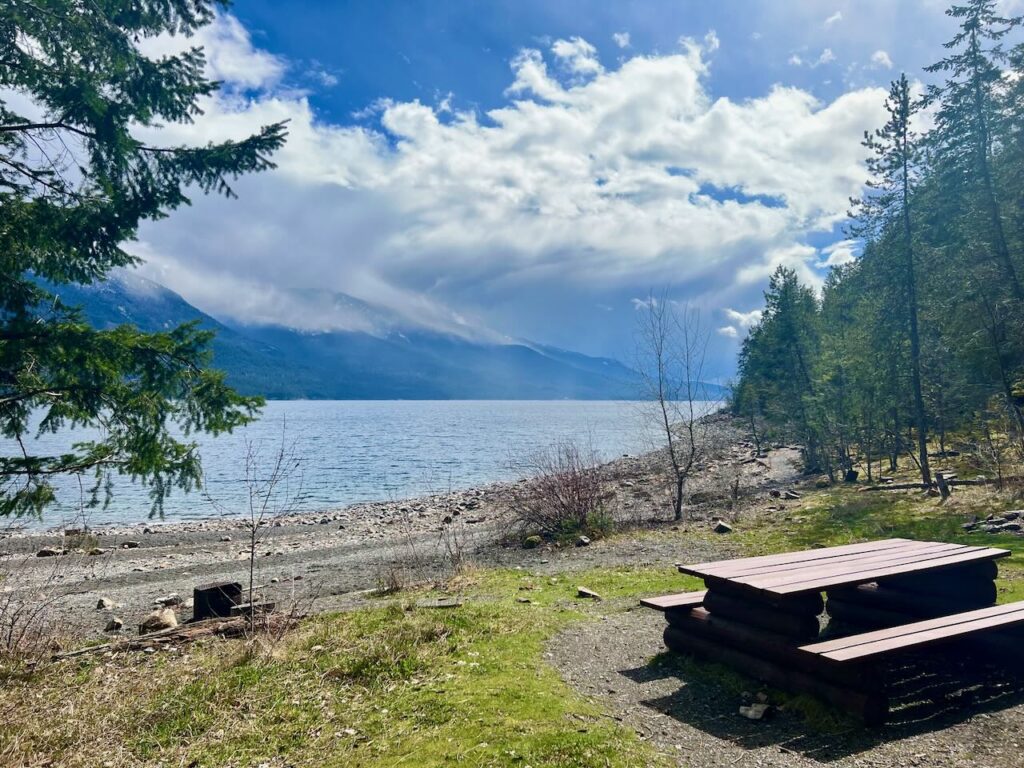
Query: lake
x,y
353,451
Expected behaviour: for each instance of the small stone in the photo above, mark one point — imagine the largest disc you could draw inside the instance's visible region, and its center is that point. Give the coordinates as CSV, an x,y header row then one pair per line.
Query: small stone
x,y
755,711
791,495
722,527
587,593
113,625
169,600
132,544
1014,515
96,551
225,538
523,600
583,541
49,552
161,618
532,542
149,649
104,604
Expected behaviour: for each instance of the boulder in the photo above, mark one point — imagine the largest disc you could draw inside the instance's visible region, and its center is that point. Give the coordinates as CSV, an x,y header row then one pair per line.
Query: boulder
x,y
587,593
131,544
113,625
161,618
583,541
104,604
722,527
532,542
49,552
168,600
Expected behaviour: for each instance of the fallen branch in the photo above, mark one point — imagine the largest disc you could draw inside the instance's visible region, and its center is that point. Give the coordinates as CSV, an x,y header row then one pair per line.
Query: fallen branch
x,y
234,627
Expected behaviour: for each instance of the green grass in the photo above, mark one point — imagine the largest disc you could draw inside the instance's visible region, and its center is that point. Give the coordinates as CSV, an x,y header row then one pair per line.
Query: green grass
x,y
390,685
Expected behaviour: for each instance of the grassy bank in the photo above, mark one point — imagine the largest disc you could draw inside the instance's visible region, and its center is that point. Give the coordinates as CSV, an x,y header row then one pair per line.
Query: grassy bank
x,y
396,683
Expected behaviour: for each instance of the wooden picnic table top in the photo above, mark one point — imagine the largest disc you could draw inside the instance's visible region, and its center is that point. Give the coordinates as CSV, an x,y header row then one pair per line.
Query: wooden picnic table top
x,y
816,570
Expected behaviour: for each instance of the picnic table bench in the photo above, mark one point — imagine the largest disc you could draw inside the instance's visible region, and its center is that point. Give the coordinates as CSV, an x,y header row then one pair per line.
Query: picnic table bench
x,y
763,614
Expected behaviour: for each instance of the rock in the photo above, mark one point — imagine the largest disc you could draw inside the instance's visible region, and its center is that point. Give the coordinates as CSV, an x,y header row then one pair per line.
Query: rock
x,y
524,600
113,625
49,552
96,551
822,482
583,541
131,544
722,527
969,526
104,604
1014,515
225,538
1011,527
791,495
587,593
161,618
532,542
168,600
774,493
755,711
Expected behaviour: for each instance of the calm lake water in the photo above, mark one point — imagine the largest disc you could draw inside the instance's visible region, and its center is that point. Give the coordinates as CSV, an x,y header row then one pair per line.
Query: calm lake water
x,y
352,451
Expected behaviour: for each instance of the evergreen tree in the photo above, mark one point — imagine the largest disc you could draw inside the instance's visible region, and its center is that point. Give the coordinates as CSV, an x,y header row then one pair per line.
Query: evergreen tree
x,y
75,182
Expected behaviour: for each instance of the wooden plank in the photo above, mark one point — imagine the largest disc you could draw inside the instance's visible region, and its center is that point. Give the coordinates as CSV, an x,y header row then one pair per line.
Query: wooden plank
x,y
827,580
885,641
877,561
668,602
713,567
854,562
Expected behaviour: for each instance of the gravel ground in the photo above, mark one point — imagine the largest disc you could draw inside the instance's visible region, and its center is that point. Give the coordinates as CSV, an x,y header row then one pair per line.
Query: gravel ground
x,y
685,708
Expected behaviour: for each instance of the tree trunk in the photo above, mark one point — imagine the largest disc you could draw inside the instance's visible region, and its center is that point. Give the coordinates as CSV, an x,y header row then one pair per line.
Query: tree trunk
x,y
678,501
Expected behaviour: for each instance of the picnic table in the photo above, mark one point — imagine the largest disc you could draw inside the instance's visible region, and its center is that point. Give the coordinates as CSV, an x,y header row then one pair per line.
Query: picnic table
x,y
766,615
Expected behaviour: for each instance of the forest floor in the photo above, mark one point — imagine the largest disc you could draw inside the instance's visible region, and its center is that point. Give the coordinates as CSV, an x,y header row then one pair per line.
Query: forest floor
x,y
521,671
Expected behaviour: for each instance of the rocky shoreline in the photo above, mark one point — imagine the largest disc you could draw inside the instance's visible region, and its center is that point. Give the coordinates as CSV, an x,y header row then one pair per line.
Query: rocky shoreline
x,y
334,557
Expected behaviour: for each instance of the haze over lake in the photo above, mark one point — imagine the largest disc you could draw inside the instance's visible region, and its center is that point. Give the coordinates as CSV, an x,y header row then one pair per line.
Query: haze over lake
x,y
353,451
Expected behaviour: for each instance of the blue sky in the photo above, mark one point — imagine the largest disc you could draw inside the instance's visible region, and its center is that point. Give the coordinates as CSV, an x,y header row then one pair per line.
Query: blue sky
x,y
530,169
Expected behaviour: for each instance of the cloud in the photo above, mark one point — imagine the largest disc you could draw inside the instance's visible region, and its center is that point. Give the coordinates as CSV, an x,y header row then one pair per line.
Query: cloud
x,y
586,186
880,59
835,18
578,56
825,57
839,253
621,39
744,319
729,332
230,54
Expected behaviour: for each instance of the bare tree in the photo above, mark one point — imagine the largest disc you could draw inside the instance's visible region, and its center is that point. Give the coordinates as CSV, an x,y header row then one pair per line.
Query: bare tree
x,y
273,489
671,349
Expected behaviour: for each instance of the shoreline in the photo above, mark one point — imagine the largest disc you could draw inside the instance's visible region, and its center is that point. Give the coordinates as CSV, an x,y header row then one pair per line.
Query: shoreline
x,y
334,557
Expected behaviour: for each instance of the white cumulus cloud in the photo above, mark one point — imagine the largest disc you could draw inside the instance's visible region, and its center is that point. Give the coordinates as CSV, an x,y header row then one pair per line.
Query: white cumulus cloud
x,y
881,59
621,39
586,183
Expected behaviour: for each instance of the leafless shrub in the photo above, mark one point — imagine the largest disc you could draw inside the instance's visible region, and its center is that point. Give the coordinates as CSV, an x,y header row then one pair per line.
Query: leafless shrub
x,y
564,493
28,623
273,489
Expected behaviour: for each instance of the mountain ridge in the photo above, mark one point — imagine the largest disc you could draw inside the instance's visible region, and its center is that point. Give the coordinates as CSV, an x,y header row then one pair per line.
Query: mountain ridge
x,y
409,364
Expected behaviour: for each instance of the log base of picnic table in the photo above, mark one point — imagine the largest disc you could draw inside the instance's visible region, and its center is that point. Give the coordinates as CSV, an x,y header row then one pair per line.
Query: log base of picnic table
x,y
758,614
776,661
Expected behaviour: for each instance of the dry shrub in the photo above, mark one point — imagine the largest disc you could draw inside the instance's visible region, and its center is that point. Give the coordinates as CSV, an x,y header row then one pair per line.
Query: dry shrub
x,y
563,495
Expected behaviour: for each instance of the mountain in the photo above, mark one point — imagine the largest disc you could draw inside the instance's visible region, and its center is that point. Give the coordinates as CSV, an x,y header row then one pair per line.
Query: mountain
x,y
411,363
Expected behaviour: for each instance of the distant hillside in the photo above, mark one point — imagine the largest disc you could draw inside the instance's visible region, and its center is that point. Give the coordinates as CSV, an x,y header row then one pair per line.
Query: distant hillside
x,y
282,363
